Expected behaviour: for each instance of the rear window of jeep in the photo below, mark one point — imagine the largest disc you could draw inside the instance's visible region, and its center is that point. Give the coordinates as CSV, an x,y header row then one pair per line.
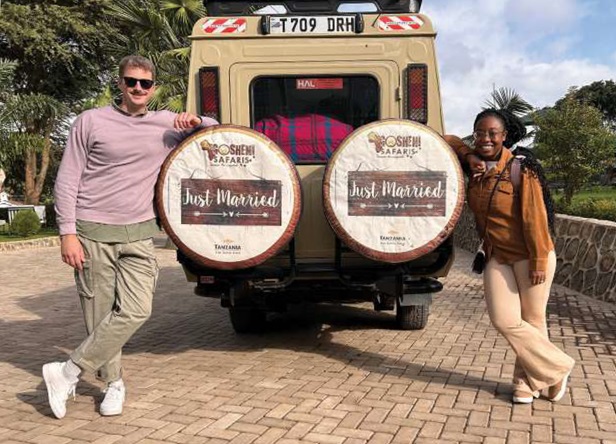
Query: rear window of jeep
x,y
309,116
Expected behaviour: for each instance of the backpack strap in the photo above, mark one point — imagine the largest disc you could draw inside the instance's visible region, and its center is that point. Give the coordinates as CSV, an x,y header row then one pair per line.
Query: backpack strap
x,y
515,172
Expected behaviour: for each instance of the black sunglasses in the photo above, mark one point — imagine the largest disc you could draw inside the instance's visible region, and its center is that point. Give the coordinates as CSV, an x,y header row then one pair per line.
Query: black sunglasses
x,y
131,82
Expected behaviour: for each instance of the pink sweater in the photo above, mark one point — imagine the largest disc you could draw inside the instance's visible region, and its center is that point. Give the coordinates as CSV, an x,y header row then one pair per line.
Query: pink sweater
x,y
110,166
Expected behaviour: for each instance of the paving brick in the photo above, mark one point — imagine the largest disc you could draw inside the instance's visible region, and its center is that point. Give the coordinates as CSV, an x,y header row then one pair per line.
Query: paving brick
x,y
272,435
218,433
244,438
493,440
51,439
487,432
405,435
381,438
431,430
455,424
460,437
478,419
378,427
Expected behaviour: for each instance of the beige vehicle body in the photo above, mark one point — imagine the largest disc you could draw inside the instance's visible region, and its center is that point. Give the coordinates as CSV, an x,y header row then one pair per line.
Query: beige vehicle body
x,y
230,55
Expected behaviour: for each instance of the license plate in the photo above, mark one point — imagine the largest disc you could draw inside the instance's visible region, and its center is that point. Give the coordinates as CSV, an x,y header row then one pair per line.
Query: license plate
x,y
323,24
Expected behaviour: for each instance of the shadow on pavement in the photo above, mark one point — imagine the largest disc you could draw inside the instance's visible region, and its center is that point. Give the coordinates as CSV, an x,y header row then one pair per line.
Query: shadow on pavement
x,y
182,322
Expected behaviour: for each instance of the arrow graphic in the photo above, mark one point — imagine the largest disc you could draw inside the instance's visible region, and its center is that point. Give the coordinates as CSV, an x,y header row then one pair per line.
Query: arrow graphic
x,y
363,205
198,213
397,205
428,206
264,215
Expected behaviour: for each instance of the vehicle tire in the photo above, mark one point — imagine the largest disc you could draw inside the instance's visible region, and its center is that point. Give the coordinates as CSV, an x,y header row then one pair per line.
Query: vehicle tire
x,y
247,320
412,317
233,232
366,190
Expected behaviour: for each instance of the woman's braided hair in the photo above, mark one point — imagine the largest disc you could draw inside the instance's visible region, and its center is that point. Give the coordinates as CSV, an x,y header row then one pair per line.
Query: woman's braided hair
x,y
516,131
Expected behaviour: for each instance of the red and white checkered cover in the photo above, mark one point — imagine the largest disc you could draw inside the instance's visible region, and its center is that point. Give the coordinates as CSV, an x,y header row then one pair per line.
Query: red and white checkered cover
x,y
400,22
224,26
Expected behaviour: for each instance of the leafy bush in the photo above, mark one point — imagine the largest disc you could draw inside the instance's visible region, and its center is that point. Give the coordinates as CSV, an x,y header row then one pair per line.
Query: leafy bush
x,y
25,223
590,208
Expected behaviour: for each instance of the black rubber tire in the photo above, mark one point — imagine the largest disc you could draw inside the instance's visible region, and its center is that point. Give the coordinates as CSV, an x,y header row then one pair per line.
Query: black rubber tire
x,y
412,317
247,320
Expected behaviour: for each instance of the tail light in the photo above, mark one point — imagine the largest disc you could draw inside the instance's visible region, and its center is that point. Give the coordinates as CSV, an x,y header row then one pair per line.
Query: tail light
x,y
210,92
417,93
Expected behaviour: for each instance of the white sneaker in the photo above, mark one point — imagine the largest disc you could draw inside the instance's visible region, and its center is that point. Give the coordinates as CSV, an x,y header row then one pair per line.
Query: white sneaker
x,y
521,396
115,393
557,391
59,387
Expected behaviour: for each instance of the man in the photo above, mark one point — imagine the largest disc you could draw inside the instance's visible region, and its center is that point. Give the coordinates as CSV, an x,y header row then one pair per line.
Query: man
x,y
104,202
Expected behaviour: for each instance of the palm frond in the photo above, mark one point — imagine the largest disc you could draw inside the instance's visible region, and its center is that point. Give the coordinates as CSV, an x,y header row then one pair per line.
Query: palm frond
x,y
159,30
183,13
7,71
15,144
508,99
24,109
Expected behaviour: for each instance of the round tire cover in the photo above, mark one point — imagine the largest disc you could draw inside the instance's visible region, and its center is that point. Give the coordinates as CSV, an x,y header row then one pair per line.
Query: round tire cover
x,y
228,197
393,191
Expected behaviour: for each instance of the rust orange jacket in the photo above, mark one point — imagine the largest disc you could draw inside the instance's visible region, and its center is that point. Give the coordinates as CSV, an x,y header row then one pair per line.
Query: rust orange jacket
x,y
517,222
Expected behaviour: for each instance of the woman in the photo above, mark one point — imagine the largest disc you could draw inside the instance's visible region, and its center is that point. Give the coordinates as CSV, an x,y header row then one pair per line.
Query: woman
x,y
512,220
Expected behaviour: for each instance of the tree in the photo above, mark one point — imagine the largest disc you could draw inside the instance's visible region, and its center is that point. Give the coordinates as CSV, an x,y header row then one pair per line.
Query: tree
x,y
31,120
7,69
573,143
601,95
159,30
57,50
60,46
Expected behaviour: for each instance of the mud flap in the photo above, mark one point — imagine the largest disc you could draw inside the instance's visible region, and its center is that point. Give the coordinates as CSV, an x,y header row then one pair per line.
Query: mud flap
x,y
407,300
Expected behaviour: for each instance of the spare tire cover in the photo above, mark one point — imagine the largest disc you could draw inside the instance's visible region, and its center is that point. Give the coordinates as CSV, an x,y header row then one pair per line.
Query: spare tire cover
x,y
393,191
228,197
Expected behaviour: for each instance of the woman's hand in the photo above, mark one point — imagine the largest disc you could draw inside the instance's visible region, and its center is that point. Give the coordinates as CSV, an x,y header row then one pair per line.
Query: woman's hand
x,y
476,164
536,277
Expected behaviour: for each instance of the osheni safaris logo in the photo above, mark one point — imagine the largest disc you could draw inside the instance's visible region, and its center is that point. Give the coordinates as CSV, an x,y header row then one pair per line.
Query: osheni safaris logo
x,y
395,146
229,154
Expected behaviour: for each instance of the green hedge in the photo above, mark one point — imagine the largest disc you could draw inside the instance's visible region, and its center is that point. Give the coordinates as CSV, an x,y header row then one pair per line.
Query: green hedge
x,y
590,208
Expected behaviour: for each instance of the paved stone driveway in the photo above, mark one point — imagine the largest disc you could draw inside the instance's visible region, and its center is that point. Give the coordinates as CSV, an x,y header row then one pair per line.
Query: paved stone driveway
x,y
328,374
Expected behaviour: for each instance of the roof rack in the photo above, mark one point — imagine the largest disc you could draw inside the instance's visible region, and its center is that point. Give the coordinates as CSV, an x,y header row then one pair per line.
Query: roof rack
x,y
247,7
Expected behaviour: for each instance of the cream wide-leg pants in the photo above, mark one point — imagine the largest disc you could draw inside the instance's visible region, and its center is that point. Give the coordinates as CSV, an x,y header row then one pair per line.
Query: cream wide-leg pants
x,y
517,310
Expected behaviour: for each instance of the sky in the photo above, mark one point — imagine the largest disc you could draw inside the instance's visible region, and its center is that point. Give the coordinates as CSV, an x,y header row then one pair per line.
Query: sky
x,y
540,48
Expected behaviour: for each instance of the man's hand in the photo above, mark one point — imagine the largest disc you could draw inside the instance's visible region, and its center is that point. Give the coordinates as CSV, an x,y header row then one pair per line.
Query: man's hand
x,y
72,251
536,277
186,120
476,164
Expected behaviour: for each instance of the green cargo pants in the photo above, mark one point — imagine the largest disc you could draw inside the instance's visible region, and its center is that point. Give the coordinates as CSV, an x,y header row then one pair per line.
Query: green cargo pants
x,y
116,288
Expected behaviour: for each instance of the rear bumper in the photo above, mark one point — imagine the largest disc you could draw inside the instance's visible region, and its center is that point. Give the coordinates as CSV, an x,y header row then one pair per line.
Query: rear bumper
x,y
348,271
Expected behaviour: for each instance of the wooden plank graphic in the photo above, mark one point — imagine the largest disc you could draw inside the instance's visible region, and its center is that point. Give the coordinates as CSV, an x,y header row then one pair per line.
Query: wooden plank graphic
x,y
397,193
231,202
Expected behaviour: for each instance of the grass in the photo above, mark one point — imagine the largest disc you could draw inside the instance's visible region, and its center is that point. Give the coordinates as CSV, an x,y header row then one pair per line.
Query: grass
x,y
597,202
45,232
594,192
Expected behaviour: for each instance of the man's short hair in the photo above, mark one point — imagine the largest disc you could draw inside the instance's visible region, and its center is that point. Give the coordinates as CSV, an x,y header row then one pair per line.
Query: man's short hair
x,y
137,61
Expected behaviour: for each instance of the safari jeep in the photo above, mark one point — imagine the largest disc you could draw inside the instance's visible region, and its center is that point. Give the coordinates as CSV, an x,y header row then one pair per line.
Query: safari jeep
x,y
312,77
